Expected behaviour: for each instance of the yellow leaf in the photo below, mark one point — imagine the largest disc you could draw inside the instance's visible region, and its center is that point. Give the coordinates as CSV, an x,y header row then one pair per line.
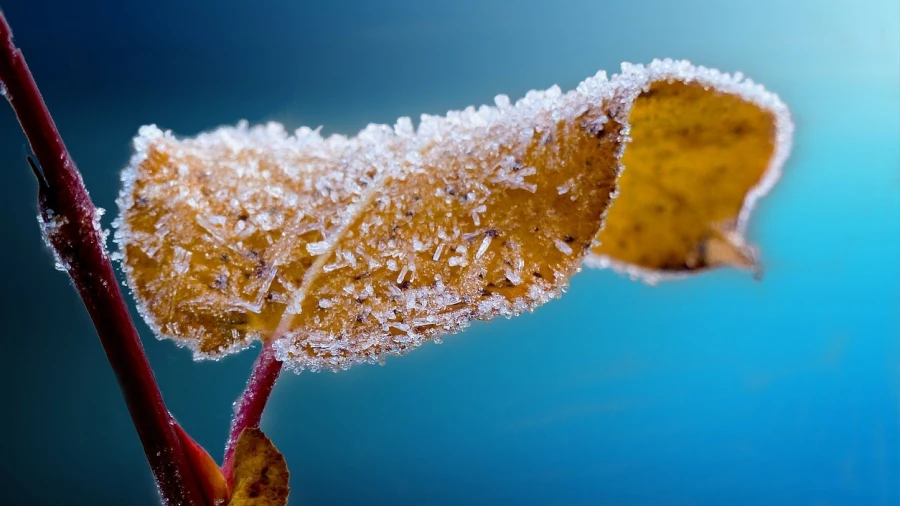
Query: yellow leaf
x,y
261,475
704,147
345,250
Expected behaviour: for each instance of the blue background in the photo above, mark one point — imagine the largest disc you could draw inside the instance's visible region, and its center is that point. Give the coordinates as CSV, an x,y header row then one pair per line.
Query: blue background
x,y
714,390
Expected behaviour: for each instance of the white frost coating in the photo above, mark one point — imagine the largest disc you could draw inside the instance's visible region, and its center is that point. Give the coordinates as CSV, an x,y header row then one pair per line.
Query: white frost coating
x,y
414,158
635,79
98,227
49,228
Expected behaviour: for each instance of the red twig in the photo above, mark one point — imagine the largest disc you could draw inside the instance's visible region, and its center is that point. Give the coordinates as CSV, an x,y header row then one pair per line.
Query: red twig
x,y
69,218
249,408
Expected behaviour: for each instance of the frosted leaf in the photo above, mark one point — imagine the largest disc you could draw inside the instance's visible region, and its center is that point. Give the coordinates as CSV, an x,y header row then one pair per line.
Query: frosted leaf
x,y
344,250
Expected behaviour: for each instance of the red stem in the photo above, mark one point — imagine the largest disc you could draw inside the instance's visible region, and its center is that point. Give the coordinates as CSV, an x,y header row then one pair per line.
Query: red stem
x,y
63,200
249,408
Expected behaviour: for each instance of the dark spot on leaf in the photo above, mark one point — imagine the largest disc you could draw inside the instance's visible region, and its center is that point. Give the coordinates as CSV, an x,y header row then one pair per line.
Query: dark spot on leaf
x,y
261,269
220,283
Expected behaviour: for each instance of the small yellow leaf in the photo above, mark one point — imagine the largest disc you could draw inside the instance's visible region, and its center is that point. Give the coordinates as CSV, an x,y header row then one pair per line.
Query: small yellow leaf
x,y
261,475
704,146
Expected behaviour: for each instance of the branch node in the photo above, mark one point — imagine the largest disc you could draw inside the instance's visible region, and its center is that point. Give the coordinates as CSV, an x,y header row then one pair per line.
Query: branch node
x,y
43,185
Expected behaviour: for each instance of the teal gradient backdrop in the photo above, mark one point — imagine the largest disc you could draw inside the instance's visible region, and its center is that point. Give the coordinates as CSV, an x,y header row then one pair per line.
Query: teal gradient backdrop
x,y
714,390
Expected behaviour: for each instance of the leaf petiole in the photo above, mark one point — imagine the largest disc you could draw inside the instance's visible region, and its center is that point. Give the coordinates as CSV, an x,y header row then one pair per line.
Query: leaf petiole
x,y
250,406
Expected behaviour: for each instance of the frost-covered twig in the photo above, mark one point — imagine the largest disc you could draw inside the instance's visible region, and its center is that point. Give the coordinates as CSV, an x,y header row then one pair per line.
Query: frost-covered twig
x,y
249,408
71,226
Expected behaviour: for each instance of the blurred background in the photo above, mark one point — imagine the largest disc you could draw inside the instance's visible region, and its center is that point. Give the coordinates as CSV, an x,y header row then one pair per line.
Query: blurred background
x,y
713,390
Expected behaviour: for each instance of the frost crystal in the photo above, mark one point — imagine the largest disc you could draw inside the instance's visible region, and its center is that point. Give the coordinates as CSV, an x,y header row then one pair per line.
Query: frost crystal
x,y
98,227
50,227
317,248
562,246
485,243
